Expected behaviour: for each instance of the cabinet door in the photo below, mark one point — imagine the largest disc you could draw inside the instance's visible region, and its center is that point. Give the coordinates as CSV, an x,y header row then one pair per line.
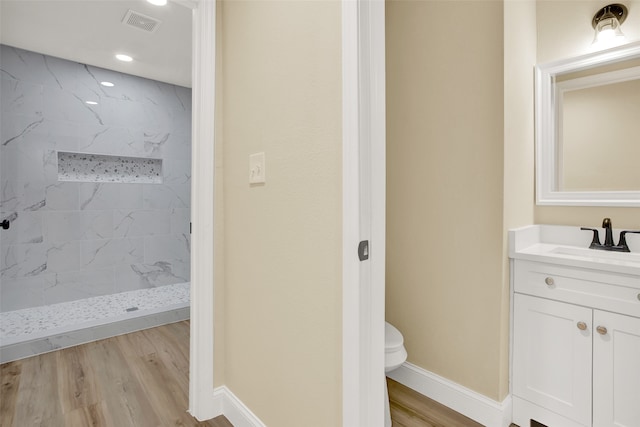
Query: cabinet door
x,y
616,370
552,356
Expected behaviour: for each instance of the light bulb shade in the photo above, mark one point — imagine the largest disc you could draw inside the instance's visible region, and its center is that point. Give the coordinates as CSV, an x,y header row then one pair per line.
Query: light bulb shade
x,y
608,31
606,24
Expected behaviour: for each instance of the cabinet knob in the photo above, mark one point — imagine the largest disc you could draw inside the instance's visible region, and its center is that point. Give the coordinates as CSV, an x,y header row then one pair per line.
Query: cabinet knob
x,y
638,297
601,330
549,281
582,326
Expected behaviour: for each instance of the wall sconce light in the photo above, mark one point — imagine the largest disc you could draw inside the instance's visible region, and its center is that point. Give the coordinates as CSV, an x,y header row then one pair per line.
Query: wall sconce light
x,y
607,22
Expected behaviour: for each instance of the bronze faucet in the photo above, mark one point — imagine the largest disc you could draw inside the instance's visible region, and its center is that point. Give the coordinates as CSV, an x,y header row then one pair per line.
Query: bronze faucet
x,y
608,239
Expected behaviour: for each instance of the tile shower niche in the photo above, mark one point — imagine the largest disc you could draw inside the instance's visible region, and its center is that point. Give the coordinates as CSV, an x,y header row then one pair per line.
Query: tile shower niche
x,y
87,167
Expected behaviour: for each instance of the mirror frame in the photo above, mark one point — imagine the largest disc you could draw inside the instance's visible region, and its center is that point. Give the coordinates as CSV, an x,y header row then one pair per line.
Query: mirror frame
x,y
547,147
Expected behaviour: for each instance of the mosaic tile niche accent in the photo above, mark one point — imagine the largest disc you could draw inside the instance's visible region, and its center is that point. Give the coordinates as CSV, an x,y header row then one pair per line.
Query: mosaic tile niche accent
x,y
85,167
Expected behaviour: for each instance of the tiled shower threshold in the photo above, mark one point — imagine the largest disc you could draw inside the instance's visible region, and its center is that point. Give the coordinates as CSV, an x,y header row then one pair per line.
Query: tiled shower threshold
x,y
37,330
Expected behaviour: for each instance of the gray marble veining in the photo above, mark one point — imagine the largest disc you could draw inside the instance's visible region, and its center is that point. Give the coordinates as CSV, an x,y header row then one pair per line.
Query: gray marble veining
x,y
71,240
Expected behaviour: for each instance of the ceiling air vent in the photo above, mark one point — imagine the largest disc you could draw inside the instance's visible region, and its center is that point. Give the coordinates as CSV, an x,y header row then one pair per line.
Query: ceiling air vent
x,y
142,22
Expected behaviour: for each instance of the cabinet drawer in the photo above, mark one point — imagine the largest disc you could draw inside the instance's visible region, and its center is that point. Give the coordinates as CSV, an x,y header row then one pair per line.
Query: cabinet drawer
x,y
593,288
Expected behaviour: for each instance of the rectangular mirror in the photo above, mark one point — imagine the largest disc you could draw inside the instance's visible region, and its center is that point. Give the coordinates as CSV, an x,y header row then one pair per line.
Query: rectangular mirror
x,y
588,129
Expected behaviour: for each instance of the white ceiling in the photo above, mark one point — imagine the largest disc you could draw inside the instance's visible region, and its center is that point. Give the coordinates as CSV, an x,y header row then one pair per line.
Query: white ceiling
x,y
91,32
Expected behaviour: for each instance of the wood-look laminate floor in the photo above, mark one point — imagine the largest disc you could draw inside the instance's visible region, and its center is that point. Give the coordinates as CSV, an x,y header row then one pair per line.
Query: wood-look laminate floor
x,y
142,379
135,380
411,409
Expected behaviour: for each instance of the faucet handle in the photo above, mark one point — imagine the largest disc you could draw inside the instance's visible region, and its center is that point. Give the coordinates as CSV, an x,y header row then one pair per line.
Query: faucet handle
x,y
596,237
623,240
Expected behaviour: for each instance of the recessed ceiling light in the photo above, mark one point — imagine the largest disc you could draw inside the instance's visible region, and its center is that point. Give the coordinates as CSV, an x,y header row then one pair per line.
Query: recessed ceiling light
x,y
91,102
124,58
158,2
107,84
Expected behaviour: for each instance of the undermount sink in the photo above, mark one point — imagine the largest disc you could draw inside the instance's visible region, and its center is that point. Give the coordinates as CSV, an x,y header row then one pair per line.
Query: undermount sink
x,y
598,255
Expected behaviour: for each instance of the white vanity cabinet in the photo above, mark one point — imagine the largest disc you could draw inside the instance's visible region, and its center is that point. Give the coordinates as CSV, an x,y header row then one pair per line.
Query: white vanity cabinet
x,y
575,345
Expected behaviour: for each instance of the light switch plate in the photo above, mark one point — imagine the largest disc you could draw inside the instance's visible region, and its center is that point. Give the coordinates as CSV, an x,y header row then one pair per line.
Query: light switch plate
x,y
257,171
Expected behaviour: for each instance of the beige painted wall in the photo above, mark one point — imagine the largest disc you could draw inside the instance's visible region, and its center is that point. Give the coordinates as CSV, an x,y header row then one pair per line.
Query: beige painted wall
x,y
564,30
445,188
460,162
283,243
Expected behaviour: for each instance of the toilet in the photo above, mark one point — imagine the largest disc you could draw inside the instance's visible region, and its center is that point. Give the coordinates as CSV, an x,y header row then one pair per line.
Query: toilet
x,y
394,356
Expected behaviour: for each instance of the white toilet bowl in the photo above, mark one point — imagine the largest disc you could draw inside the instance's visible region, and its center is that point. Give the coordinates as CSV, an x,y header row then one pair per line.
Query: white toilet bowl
x,y
394,356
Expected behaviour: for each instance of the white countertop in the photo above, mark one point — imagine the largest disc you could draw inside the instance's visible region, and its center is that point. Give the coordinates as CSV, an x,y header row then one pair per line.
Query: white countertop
x,y
565,245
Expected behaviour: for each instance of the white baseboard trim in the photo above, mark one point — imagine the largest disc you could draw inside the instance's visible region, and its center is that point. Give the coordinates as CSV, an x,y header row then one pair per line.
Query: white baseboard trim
x,y
469,403
226,403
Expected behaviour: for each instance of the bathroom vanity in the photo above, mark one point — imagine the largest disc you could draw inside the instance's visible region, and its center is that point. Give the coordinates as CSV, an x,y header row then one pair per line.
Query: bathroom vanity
x,y
575,347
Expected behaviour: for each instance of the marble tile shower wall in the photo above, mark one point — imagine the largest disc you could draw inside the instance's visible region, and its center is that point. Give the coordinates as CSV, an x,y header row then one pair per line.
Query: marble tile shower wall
x,y
73,240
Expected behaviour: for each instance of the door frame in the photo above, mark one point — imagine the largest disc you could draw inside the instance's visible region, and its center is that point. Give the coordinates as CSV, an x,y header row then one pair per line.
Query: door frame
x,y
364,209
201,342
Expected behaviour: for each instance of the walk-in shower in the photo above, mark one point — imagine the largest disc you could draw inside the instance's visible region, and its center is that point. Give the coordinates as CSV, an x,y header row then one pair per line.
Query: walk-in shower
x,y
95,186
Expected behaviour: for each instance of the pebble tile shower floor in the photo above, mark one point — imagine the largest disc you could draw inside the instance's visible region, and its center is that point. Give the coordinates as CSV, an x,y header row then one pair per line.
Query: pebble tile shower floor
x,y
32,323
